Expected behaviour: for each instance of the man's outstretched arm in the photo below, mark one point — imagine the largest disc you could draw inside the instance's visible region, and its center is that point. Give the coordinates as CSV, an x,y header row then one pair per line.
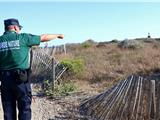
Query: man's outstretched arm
x,y
48,37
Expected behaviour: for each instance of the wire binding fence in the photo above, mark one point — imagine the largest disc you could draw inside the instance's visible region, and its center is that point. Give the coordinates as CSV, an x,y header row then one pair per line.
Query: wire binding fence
x,y
135,98
45,66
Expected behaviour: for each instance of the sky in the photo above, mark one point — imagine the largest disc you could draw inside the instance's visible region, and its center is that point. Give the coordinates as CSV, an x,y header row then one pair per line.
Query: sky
x,y
99,20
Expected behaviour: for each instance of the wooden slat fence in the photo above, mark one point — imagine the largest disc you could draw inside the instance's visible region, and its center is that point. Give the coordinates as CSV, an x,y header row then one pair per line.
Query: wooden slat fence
x,y
135,98
45,66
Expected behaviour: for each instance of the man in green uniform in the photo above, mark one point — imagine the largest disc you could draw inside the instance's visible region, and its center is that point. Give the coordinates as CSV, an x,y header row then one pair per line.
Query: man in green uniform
x,y
14,65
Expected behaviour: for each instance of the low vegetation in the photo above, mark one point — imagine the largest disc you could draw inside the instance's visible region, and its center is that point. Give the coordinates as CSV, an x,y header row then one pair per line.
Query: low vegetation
x,y
62,89
99,66
109,62
130,44
75,67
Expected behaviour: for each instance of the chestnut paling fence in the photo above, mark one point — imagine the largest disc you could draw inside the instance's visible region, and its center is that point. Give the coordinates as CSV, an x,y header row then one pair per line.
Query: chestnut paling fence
x,y
44,66
135,98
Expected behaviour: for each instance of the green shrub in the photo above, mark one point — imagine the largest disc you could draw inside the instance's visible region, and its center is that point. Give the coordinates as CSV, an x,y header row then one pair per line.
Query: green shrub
x,y
64,89
48,88
74,66
114,41
59,90
86,45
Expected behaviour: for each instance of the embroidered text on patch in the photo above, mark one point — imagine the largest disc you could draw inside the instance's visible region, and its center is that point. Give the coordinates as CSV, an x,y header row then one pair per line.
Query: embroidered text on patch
x,y
9,45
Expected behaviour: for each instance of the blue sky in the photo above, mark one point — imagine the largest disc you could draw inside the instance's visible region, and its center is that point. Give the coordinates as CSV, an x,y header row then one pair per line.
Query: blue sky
x,y
78,21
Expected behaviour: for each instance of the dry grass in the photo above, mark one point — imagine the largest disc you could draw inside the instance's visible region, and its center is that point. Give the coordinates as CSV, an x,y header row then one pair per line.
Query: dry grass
x,y
107,64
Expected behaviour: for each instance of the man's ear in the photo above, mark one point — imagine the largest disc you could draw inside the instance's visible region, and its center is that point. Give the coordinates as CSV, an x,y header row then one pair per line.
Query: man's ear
x,y
16,28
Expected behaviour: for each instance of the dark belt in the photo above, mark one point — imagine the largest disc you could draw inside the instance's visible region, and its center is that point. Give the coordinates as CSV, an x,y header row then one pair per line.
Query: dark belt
x,y
12,71
20,75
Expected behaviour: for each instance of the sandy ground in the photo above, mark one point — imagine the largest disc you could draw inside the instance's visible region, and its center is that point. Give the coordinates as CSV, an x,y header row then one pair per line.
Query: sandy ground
x,y
59,108
64,108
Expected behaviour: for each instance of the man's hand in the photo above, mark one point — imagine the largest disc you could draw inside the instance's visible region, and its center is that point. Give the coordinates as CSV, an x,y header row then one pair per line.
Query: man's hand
x,y
48,37
60,36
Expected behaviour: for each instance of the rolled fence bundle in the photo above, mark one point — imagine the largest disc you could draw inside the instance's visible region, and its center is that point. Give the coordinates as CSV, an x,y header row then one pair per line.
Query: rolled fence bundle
x,y
135,98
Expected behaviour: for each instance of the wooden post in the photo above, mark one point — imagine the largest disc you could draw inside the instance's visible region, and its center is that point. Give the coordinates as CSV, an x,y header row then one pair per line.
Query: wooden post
x,y
153,100
158,101
64,48
53,74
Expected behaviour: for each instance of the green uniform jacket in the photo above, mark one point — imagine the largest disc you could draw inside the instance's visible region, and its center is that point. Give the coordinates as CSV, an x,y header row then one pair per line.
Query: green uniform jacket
x,y
15,50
